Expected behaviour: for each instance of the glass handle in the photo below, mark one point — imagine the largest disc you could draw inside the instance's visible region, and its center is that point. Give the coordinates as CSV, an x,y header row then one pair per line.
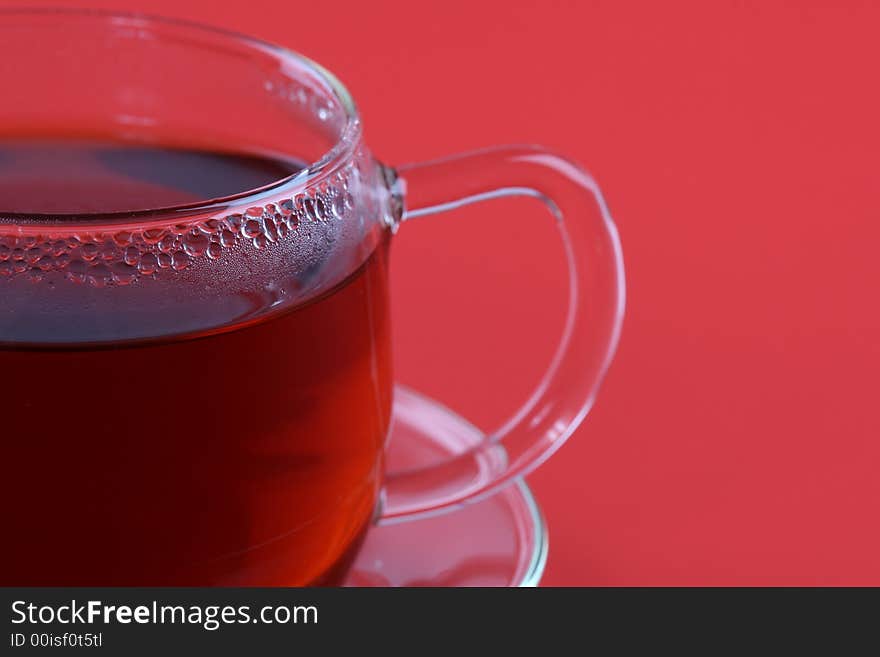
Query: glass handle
x,y
592,327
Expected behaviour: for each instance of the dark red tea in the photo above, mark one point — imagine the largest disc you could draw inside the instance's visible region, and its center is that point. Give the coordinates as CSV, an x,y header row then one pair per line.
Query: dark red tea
x,y
248,451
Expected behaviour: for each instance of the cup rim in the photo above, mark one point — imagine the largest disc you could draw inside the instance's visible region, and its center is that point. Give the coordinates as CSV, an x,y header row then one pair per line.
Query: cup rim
x,y
331,161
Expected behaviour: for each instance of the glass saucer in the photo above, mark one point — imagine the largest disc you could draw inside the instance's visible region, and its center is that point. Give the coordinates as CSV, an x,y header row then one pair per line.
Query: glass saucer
x,y
498,541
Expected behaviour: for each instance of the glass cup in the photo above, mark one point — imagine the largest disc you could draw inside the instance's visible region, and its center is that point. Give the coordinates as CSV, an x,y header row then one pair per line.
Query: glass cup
x,y
197,385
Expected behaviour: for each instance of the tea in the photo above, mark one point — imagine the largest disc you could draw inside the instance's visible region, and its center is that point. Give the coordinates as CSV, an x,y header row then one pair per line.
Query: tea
x,y
237,445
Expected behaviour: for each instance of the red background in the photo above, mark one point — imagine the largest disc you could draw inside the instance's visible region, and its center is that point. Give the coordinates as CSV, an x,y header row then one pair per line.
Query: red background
x,y
736,438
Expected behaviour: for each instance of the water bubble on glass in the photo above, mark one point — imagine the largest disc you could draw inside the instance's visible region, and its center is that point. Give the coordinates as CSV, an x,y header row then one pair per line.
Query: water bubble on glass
x,y
148,264
89,251
132,255
153,235
166,244
179,260
196,245
252,228
227,238
99,274
123,273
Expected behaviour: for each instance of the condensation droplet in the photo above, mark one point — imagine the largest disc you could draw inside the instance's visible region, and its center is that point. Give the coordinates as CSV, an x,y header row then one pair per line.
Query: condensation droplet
x,y
122,238
252,228
45,263
132,255
338,206
123,273
110,251
285,206
99,274
196,245
308,206
321,208
271,232
211,226
227,238
102,257
166,244
153,235
179,260
148,264
76,270
89,251
233,221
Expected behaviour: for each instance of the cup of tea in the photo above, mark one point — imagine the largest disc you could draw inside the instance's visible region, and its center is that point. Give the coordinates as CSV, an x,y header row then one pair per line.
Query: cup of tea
x,y
194,330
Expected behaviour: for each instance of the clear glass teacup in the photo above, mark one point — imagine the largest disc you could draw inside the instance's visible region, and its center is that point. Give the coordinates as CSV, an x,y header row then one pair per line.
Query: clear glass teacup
x,y
194,332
